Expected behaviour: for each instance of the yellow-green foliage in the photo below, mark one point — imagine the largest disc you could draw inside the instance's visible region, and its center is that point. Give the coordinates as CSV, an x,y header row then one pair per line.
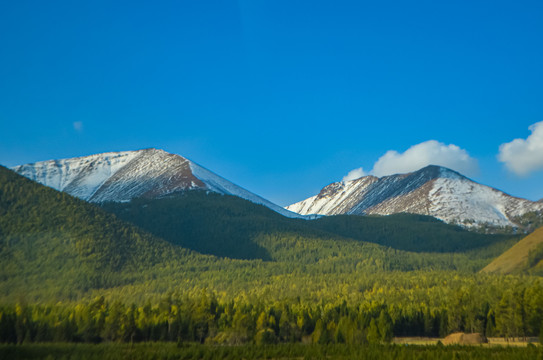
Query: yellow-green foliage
x,y
496,307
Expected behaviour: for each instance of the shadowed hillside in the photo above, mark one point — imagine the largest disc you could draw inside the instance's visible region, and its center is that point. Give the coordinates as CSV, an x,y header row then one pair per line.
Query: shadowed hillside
x,y
228,226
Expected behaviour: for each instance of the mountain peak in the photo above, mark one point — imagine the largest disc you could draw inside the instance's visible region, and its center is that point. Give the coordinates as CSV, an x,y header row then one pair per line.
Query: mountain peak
x,y
122,176
433,190
438,171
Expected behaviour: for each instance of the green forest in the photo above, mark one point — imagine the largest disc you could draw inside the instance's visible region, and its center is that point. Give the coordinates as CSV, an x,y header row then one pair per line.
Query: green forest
x,y
202,268
203,317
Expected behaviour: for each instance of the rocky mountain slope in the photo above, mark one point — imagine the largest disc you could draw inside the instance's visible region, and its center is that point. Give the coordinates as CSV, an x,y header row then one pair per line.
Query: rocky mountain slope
x,y
121,176
433,190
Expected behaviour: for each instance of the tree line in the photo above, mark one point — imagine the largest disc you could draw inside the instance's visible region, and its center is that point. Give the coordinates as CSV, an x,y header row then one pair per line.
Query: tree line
x,y
206,318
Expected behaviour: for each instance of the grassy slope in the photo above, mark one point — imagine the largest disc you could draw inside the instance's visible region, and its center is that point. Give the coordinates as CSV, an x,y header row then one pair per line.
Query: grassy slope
x,y
524,255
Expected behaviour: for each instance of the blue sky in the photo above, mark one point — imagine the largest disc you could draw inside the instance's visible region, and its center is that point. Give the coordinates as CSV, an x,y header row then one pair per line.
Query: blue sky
x,y
280,97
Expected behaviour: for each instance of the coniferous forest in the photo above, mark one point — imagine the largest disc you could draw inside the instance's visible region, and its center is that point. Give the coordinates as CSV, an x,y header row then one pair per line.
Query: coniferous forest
x,y
196,271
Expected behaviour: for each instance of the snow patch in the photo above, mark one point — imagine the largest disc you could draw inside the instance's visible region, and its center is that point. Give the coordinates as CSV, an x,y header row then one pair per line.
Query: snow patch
x,y
80,176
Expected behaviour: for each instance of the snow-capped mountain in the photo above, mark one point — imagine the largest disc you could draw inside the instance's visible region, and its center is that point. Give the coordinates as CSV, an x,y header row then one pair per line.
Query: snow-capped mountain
x,y
433,190
121,176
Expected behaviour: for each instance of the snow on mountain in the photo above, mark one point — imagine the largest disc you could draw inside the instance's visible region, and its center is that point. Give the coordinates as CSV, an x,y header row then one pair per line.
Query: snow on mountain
x,y
433,190
121,176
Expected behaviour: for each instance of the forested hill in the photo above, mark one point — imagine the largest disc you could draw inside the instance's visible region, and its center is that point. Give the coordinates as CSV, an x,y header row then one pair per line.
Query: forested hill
x,y
54,247
207,222
229,226
411,232
50,238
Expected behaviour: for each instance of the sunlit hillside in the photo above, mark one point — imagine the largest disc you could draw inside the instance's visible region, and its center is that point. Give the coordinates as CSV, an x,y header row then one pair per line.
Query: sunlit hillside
x,y
526,255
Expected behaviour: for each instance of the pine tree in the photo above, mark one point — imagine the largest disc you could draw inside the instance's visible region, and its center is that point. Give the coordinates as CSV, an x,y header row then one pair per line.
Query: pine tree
x,y
113,329
384,324
373,335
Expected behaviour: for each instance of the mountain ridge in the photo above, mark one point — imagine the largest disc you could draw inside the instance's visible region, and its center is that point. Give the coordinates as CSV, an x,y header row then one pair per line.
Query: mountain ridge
x,y
433,190
152,173
122,176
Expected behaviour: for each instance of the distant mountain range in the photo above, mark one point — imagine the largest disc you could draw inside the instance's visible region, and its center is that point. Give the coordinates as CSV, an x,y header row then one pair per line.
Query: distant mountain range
x,y
433,190
151,173
122,176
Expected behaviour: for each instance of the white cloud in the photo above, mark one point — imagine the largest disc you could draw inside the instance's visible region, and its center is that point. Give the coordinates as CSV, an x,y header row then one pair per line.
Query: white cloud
x,y
523,156
354,174
430,152
78,126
